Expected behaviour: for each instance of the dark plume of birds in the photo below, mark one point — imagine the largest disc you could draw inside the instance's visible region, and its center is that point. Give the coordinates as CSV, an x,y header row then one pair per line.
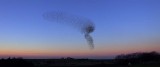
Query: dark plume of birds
x,y
86,26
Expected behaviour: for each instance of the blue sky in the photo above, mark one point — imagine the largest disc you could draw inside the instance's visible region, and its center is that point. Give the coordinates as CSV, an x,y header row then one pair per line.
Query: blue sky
x,y
119,24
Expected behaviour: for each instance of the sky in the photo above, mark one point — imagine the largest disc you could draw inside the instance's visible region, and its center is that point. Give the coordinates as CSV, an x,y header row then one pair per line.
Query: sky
x,y
121,26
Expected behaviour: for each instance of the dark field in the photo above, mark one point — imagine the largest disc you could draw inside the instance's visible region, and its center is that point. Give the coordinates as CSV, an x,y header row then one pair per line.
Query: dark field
x,y
149,59
71,63
88,63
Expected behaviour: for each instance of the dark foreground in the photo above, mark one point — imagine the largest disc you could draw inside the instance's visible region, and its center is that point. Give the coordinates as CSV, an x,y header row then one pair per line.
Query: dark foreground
x,y
71,63
139,59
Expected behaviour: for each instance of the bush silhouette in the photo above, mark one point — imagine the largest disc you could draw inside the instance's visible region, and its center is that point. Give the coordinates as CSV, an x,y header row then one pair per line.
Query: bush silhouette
x,y
138,57
15,62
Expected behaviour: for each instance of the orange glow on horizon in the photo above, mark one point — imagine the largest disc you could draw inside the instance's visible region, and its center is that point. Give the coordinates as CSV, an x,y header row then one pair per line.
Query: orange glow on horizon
x,y
99,51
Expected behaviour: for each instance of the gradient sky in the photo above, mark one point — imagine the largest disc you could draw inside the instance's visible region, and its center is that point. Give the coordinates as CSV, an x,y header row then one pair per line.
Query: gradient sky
x,y
122,26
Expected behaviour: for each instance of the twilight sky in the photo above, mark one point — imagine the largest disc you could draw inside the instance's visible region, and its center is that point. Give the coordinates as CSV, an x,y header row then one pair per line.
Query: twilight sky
x,y
122,26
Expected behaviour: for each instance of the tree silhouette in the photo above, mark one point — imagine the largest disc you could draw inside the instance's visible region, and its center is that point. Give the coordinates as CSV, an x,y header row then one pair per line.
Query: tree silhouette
x,y
138,57
15,62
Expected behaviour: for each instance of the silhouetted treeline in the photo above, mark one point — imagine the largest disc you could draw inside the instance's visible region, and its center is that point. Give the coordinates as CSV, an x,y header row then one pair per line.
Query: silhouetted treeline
x,y
123,60
139,57
15,62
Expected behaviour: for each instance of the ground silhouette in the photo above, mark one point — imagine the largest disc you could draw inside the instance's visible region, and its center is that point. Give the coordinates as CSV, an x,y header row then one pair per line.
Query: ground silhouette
x,y
138,59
